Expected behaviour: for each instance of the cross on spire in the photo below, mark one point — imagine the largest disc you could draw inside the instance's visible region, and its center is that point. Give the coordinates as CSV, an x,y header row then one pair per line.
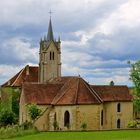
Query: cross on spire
x,y
50,12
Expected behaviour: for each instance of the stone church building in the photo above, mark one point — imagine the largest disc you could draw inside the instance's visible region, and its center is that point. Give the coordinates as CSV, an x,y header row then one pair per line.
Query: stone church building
x,y
69,101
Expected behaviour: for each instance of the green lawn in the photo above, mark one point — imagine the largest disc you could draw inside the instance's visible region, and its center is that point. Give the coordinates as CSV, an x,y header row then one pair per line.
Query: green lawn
x,y
103,135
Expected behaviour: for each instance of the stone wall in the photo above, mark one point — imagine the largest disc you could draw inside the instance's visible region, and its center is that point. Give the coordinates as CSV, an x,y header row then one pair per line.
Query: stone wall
x,y
111,115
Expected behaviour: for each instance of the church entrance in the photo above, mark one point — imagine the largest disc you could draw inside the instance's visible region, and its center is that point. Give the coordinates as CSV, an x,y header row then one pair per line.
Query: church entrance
x,y
67,119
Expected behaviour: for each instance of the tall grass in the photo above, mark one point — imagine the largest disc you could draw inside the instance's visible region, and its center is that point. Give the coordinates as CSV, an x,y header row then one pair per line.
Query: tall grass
x,y
14,131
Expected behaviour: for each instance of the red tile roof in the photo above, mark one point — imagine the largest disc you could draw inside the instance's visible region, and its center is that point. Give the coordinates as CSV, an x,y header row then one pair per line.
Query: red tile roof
x,y
40,93
61,91
113,93
27,74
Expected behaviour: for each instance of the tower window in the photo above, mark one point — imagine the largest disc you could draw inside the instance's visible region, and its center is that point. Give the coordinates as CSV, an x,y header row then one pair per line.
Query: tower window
x,y
118,107
53,55
50,55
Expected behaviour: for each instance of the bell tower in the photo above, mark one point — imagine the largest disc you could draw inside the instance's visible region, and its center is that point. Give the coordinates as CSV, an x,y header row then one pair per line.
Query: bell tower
x,y
49,57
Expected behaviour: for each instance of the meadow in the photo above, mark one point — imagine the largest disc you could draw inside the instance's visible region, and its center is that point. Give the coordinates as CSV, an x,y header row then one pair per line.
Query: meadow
x,y
98,135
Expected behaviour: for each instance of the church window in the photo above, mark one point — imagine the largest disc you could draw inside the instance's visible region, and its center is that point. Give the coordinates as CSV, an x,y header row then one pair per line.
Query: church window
x,y
55,117
118,123
50,55
66,119
53,56
102,117
118,107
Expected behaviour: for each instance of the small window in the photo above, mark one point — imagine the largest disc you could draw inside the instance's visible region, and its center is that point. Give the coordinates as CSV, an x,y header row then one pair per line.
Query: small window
x,y
55,117
53,55
50,55
102,118
118,107
118,123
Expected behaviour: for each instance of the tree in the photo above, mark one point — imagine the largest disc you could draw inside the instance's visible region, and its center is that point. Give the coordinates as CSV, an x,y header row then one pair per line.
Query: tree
x,y
33,111
135,77
111,83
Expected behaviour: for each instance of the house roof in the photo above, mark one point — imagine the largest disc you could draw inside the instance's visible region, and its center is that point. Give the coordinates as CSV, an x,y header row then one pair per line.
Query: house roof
x,y
113,93
27,74
61,91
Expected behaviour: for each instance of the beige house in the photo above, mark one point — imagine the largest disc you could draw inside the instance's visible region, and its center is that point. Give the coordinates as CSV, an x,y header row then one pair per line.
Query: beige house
x,y
69,102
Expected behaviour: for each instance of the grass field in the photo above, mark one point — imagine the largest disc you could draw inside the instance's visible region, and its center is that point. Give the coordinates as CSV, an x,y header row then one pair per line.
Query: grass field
x,y
103,135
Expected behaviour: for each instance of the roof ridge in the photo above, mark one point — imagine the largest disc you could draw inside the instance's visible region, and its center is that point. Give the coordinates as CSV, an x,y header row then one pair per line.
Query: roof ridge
x,y
61,95
97,95
93,93
76,98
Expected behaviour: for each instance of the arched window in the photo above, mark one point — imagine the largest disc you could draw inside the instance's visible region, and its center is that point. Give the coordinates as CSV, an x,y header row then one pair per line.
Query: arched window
x,y
66,119
55,117
118,123
50,55
53,55
102,117
118,107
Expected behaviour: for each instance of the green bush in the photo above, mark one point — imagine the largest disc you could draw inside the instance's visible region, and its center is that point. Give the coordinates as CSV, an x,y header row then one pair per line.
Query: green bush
x,y
55,125
7,118
132,124
27,125
33,111
84,126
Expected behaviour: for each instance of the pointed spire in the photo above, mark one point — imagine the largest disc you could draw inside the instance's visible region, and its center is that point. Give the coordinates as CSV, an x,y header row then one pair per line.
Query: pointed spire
x,y
50,32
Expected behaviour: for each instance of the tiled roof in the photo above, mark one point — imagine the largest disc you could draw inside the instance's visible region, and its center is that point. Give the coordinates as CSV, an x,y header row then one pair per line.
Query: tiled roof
x,y
113,93
27,74
61,91
40,93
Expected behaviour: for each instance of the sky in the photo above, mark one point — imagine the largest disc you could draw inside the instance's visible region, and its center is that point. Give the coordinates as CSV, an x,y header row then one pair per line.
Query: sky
x,y
98,37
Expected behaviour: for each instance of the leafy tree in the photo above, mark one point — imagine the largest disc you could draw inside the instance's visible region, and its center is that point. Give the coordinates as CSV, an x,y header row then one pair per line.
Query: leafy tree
x,y
7,118
135,77
111,83
33,111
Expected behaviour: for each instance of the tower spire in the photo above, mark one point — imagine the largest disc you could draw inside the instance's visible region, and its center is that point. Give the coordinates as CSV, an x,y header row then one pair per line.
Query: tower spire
x,y
50,30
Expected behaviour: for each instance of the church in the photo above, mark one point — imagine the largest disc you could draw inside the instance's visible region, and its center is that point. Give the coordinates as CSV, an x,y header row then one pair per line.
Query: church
x,y
68,101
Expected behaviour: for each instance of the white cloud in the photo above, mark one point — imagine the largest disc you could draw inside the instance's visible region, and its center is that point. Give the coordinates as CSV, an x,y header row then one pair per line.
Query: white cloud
x,y
96,29
18,49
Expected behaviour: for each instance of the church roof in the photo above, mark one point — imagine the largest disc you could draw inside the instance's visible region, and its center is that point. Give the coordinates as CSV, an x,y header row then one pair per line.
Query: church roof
x,y
27,74
112,93
61,91
73,91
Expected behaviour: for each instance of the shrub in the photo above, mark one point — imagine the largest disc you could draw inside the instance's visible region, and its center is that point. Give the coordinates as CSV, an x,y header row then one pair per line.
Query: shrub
x,y
132,124
27,125
84,126
7,118
55,125
33,111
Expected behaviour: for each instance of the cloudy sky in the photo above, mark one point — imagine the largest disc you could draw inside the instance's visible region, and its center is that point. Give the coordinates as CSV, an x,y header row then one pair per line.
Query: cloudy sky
x,y
98,36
